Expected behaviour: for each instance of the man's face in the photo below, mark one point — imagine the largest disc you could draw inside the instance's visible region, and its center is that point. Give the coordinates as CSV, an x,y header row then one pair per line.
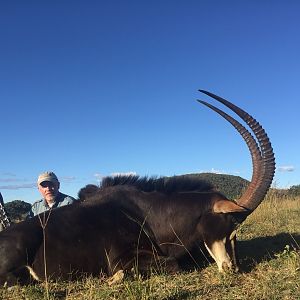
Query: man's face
x,y
49,190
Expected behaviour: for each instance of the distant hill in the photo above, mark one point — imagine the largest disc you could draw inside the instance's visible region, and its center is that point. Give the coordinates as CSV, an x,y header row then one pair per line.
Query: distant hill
x,y
231,186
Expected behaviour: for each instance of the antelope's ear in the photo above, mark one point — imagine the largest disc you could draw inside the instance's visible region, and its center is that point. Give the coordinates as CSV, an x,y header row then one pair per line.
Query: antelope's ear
x,y
226,206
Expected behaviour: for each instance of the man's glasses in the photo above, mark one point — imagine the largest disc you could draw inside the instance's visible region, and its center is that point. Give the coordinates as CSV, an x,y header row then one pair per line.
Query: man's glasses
x,y
47,184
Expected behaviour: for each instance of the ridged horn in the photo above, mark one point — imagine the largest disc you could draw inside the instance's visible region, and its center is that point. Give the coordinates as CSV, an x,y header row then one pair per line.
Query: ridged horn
x,y
263,160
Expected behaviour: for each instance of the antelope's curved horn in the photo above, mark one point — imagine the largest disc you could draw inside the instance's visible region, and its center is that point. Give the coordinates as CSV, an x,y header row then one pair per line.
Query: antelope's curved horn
x,y
250,141
263,160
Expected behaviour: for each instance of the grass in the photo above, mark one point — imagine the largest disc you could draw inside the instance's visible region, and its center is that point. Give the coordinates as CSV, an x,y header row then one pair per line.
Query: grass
x,y
269,253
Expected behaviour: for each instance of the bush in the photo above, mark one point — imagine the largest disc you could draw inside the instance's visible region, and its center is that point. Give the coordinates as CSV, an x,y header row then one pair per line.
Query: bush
x,y
17,210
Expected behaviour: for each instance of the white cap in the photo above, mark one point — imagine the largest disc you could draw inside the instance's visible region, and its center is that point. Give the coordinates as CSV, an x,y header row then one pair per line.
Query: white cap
x,y
47,176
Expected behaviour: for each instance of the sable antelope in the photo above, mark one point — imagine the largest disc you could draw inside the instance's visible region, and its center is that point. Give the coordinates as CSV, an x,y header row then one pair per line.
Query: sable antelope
x,y
182,213
77,240
130,217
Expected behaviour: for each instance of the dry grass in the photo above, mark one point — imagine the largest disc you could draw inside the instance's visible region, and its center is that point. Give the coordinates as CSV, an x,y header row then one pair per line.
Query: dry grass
x,y
269,254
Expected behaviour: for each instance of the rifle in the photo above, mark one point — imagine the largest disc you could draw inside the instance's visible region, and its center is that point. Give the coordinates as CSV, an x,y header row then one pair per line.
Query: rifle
x,y
4,220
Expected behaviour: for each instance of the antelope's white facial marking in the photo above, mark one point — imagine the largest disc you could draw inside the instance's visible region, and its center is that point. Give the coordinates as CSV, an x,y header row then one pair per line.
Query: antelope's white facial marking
x,y
220,255
33,274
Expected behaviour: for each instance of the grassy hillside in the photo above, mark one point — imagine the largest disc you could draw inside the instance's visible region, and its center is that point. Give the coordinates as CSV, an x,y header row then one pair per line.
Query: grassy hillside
x,y
269,248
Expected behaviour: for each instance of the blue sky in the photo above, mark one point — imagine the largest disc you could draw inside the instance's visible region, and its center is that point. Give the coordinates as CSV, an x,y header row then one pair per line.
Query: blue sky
x,y
94,88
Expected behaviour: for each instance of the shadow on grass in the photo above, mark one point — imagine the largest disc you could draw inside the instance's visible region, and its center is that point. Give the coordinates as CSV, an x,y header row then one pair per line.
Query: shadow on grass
x,y
260,249
58,295
250,252
180,296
